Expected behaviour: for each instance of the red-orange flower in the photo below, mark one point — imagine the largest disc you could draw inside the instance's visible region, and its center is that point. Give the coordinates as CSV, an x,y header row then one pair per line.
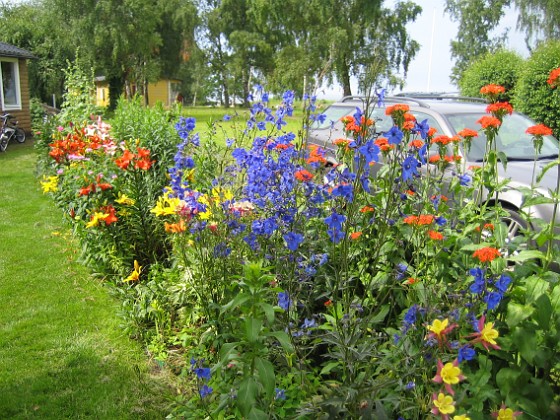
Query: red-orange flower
x,y
123,161
110,210
436,236
432,131
408,125
423,219
553,78
367,209
397,108
443,140
539,130
434,158
355,235
303,175
416,143
383,144
487,254
342,142
468,133
175,227
499,109
316,154
492,89
488,121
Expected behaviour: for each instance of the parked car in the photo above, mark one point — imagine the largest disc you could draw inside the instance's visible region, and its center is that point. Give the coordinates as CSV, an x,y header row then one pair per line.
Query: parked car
x,y
449,114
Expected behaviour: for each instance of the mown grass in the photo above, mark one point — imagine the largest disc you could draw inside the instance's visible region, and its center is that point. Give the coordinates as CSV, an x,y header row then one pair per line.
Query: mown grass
x,y
62,352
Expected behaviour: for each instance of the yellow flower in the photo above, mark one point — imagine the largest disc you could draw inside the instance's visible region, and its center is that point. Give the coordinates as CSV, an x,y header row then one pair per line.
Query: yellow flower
x,y
135,275
461,417
125,200
506,414
450,374
166,206
489,334
445,403
220,195
49,184
438,326
96,218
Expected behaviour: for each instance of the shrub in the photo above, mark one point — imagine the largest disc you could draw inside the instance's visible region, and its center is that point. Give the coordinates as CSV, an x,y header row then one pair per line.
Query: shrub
x,y
500,68
533,94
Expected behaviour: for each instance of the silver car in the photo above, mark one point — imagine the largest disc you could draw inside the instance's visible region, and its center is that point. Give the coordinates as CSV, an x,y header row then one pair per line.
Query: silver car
x,y
449,115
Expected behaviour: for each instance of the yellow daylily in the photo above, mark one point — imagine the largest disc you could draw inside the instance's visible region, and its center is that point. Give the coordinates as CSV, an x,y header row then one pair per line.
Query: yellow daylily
x,y
96,218
125,200
166,206
135,275
49,184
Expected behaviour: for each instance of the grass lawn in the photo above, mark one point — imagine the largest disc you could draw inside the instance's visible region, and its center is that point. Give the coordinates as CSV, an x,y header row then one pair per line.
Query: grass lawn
x,y
62,352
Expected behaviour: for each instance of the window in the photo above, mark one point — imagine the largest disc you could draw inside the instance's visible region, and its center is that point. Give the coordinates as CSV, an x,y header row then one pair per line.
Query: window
x,y
11,97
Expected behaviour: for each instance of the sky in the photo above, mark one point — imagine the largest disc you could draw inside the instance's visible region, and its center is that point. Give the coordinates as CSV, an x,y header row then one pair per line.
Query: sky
x,y
431,69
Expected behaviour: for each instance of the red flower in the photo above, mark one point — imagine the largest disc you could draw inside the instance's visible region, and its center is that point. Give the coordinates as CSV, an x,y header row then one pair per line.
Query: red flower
x,y
499,109
397,108
443,140
539,130
144,164
104,186
492,89
125,159
355,235
553,78
487,254
423,219
303,175
87,190
436,236
488,121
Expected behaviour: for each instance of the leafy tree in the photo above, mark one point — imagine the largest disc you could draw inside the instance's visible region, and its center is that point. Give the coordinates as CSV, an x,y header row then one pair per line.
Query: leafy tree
x,y
533,95
539,19
502,68
477,19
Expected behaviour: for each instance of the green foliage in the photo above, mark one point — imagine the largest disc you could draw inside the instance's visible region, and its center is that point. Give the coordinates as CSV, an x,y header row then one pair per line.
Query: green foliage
x,y
501,68
533,95
539,19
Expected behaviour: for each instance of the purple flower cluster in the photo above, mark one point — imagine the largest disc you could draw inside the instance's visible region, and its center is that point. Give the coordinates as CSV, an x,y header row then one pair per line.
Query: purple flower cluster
x,y
490,289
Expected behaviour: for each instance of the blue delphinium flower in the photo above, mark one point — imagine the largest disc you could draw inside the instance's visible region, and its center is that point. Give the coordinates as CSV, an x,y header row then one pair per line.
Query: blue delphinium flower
x,y
370,151
344,190
410,168
394,135
464,180
185,126
227,117
284,300
293,240
205,390
202,373
492,299
421,128
380,96
502,283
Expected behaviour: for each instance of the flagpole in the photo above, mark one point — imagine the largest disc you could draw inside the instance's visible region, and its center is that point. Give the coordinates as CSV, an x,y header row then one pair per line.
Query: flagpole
x,y
431,50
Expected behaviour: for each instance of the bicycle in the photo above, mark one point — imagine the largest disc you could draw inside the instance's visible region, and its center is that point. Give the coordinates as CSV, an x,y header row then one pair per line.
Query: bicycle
x,y
9,131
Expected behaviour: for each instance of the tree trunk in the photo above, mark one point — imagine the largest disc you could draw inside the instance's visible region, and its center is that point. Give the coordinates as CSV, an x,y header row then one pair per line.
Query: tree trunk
x,y
345,78
116,85
225,93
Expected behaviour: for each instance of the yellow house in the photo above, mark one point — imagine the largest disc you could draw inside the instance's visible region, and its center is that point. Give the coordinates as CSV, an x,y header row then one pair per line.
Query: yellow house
x,y
166,91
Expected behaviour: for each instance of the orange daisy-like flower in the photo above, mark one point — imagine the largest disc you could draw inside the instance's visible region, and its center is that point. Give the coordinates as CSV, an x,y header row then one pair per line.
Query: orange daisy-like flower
x,y
409,117
492,89
468,133
553,78
355,235
436,236
434,158
367,209
316,154
499,109
383,144
539,130
342,142
397,108
488,121
303,175
416,143
443,140
452,158
365,122
408,125
432,131
411,280
422,220
487,254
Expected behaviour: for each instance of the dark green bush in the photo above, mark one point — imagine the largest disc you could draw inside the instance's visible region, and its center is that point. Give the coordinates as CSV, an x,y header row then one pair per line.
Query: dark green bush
x,y
533,95
501,68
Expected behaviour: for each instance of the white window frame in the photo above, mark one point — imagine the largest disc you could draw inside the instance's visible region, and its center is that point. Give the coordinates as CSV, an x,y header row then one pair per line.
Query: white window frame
x,y
17,106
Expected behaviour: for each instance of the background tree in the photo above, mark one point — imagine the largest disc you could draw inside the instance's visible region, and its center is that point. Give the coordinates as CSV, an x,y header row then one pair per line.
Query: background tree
x,y
502,68
539,19
477,20
533,95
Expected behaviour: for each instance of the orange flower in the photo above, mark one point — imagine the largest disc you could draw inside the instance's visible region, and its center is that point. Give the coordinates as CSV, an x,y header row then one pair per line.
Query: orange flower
x,y
488,121
143,164
434,159
303,175
423,219
499,109
112,216
383,144
367,209
411,280
539,130
492,89
355,235
316,154
328,303
436,236
175,227
553,78
104,186
487,254
452,158
125,159
342,142
408,125
409,117
397,108
443,140
281,146
365,122
87,190
416,143
432,131
468,133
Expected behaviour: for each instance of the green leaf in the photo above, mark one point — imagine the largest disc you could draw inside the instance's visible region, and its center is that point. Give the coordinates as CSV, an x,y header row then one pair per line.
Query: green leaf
x,y
516,313
266,376
543,312
526,341
545,169
527,254
380,316
236,302
555,300
503,158
284,340
247,395
268,311
252,329
257,414
329,367
535,288
506,379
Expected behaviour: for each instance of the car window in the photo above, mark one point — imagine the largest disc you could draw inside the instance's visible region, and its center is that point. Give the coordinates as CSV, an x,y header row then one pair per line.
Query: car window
x,y
511,139
333,114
